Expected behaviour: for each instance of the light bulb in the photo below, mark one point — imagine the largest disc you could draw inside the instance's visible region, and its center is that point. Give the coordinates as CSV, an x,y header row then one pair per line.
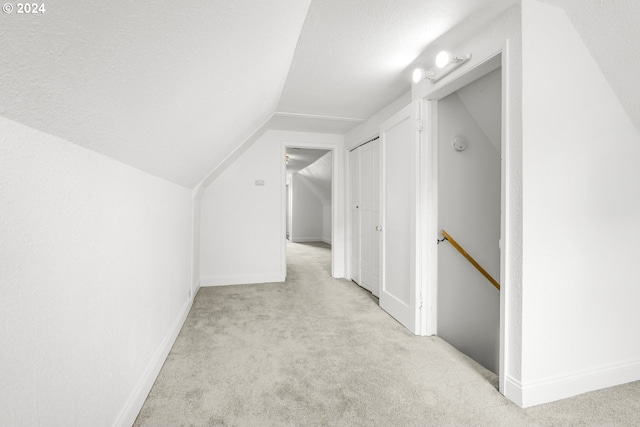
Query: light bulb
x,y
443,59
418,75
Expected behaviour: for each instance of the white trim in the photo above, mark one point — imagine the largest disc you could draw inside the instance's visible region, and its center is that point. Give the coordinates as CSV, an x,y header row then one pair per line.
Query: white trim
x,y
327,241
564,386
134,403
506,182
433,93
513,390
206,281
429,217
337,203
318,117
480,66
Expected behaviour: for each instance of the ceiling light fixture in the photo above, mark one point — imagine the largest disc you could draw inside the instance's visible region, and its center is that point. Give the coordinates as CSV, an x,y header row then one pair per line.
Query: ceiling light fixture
x,y
445,62
419,74
443,59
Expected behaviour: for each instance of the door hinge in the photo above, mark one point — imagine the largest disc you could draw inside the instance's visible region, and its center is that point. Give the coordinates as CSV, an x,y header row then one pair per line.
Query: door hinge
x,y
420,302
420,125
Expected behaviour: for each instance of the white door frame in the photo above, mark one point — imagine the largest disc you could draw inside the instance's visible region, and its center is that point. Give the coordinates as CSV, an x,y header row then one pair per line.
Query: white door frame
x,y
337,203
429,166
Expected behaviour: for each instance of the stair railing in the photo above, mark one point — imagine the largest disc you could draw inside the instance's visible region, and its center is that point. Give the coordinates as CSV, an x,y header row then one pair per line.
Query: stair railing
x,y
469,258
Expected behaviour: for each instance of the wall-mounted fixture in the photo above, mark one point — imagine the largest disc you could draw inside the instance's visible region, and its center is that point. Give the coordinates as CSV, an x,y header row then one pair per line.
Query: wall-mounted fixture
x,y
419,74
459,143
445,62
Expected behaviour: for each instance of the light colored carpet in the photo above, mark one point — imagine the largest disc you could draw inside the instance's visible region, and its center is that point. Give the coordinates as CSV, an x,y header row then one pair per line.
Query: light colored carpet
x,y
315,351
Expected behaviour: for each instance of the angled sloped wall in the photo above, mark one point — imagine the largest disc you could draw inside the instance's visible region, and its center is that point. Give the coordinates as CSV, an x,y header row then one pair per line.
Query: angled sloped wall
x,y
580,218
95,266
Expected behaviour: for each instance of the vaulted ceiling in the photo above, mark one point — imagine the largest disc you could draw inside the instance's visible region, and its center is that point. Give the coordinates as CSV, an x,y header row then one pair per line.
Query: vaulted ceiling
x,y
610,29
172,87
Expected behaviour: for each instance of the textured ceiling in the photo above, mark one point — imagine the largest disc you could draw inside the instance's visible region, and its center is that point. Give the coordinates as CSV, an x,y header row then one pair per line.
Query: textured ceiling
x,y
354,56
170,87
173,88
611,31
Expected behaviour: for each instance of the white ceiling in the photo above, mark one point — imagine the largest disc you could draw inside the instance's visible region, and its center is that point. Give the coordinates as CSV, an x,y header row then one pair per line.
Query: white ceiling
x,y
300,158
611,31
355,56
170,87
173,87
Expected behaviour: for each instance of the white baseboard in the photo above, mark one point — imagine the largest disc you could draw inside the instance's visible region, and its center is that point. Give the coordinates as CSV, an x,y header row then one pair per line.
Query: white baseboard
x,y
240,279
513,390
564,386
129,413
327,241
306,239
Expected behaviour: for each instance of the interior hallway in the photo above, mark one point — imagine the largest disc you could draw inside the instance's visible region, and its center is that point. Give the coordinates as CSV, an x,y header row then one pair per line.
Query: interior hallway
x,y
319,351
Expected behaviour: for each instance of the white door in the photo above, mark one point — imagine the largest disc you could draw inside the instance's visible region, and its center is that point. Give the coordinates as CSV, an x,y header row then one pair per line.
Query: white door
x,y
354,212
370,216
400,137
377,232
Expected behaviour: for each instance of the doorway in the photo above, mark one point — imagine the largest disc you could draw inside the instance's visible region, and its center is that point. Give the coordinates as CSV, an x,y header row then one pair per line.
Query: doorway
x,y
469,127
309,199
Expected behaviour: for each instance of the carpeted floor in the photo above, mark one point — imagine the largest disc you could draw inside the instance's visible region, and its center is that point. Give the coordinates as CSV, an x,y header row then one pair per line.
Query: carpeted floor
x,y
315,351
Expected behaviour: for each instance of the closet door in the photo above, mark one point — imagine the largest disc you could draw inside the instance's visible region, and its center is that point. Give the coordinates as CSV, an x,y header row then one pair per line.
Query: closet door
x,y
377,218
365,216
369,216
354,212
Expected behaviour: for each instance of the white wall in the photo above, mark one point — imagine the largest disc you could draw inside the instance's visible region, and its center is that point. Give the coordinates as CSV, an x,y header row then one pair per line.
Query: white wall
x,y
95,266
570,157
240,221
307,213
581,218
243,225
469,210
318,177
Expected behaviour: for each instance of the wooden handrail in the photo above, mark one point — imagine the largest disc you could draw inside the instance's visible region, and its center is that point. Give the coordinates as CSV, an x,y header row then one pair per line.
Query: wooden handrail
x,y
470,259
